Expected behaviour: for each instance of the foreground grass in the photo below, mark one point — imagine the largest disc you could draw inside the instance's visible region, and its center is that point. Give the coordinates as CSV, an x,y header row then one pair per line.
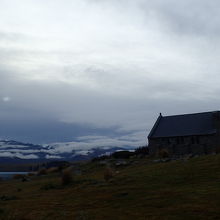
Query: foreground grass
x,y
144,190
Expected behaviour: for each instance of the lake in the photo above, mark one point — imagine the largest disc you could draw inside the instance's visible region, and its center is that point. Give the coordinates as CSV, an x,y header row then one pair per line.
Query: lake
x,y
9,175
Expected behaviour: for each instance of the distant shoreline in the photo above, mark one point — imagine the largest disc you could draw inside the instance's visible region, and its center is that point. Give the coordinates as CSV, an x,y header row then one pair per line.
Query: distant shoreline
x,y
9,175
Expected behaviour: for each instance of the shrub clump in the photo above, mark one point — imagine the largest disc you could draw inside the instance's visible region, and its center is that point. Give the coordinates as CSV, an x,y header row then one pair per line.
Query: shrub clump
x,y
142,151
122,154
48,186
108,174
31,174
163,153
217,150
19,176
41,172
53,170
7,198
67,176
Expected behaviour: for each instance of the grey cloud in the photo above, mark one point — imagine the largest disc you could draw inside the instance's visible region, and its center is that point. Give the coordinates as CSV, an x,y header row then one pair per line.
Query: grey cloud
x,y
6,36
154,57
39,110
191,17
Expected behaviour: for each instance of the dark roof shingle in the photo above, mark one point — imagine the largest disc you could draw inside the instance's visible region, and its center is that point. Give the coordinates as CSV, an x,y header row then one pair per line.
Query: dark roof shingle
x,y
183,125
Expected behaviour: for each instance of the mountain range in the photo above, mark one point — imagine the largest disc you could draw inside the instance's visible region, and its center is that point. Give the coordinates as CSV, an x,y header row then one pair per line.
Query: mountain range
x,y
18,152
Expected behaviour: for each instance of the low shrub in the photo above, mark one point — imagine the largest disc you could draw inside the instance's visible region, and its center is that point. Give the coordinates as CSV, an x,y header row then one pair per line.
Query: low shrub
x,y
142,151
1,211
53,170
31,174
108,174
60,164
163,153
217,150
7,198
100,158
122,154
67,176
19,176
48,186
41,172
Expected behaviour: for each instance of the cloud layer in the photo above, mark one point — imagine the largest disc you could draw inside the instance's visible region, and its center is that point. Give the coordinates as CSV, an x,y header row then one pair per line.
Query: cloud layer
x,y
89,66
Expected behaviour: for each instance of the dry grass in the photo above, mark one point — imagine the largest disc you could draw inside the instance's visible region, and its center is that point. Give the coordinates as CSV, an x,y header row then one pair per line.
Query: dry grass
x,y
176,190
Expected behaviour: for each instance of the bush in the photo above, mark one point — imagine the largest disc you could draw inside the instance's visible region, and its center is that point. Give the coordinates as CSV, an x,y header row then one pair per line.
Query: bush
x,y
21,177
217,150
67,176
142,151
1,211
48,186
122,154
108,174
60,164
31,174
53,170
41,172
7,198
18,176
163,153
100,158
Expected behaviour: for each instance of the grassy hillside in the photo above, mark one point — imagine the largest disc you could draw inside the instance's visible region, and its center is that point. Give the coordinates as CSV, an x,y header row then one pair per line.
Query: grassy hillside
x,y
145,190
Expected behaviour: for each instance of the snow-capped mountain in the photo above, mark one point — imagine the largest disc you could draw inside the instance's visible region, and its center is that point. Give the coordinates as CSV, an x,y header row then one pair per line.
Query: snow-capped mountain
x,y
17,151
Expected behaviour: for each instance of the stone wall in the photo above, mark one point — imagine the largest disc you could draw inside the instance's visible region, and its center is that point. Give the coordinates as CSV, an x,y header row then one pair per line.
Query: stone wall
x,y
185,145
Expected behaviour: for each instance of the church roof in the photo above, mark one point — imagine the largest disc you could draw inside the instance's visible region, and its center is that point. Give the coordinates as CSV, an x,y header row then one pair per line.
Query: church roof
x,y
183,125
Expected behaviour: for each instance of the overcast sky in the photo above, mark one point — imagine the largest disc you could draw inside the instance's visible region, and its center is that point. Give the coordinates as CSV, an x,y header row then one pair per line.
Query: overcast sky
x,y
75,68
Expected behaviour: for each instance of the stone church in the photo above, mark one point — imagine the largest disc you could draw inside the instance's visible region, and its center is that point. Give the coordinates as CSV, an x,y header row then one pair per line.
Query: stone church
x,y
197,133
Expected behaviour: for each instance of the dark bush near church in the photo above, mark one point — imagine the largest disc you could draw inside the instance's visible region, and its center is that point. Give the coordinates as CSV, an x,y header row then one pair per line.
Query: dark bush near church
x,y
104,157
142,151
122,154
